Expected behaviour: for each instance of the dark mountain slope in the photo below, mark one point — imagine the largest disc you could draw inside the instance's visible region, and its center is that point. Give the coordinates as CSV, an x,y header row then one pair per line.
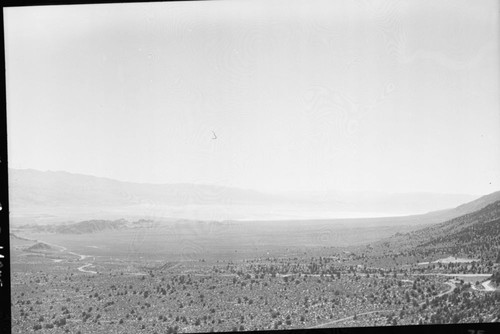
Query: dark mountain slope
x,y
478,203
40,247
474,235
463,209
83,227
90,226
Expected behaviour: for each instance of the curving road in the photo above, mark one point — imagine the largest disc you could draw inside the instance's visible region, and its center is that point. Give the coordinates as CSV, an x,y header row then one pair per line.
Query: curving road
x,y
81,257
452,288
486,287
82,268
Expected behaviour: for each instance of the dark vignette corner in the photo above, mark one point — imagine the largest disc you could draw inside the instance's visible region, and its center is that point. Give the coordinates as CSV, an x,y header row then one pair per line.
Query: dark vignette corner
x,y
5,304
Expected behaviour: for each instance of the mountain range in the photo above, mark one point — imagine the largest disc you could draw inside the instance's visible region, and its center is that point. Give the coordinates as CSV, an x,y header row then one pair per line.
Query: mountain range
x,y
38,197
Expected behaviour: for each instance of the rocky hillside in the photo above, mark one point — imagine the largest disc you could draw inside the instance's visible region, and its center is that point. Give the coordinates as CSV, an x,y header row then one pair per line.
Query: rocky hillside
x,y
474,235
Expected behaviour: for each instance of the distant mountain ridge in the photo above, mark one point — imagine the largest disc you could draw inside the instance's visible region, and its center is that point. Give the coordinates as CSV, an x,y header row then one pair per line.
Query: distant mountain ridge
x,y
84,227
62,196
59,187
91,226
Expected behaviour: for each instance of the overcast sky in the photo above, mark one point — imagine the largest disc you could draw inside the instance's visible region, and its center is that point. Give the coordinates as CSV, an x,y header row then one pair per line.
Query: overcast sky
x,y
397,96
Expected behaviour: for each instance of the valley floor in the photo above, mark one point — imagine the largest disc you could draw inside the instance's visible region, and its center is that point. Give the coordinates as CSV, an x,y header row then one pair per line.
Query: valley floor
x,y
59,290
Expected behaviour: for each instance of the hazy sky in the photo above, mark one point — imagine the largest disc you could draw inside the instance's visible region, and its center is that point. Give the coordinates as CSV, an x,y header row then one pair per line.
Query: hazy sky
x,y
352,95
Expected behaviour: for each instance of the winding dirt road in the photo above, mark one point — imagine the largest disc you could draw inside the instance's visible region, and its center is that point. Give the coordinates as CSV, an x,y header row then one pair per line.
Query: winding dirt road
x,y
82,268
81,257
